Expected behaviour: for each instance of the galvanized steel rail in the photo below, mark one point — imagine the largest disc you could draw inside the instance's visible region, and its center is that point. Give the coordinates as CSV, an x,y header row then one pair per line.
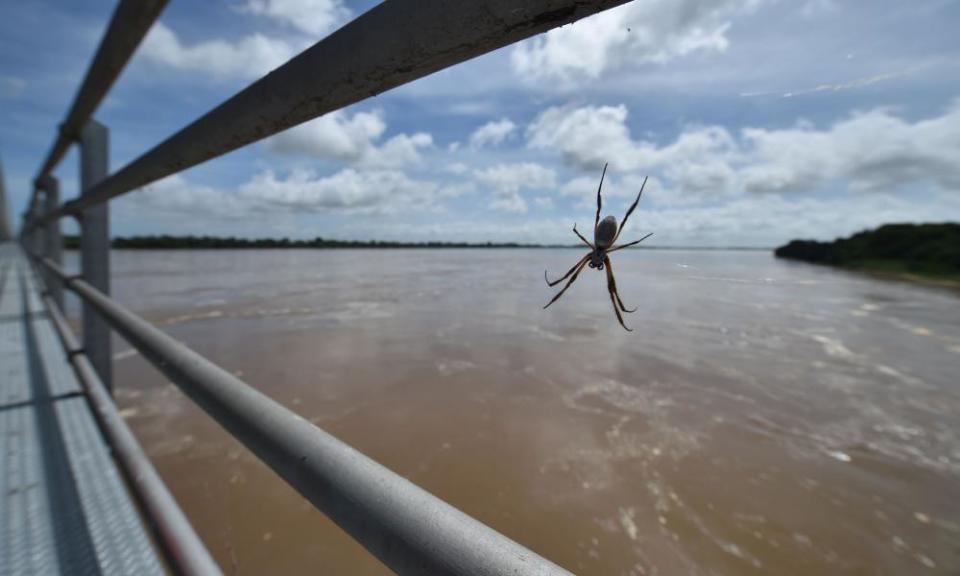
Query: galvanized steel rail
x,y
181,545
395,42
130,23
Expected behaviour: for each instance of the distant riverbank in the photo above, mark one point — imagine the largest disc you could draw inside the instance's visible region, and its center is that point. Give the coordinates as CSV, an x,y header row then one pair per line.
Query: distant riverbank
x,y
910,251
166,242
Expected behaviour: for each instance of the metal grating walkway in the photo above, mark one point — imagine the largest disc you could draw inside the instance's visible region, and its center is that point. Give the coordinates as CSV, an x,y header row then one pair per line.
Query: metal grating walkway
x,y
64,507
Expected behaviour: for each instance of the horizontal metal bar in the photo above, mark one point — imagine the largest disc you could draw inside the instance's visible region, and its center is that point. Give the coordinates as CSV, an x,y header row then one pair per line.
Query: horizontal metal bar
x,y
406,527
396,42
181,544
129,25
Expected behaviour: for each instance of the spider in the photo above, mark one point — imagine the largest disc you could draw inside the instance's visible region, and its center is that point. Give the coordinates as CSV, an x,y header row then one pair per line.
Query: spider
x,y
605,233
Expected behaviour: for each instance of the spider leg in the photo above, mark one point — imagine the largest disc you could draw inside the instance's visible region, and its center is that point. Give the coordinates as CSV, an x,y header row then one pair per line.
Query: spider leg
x,y
585,241
631,209
573,278
615,248
569,272
612,288
612,285
599,201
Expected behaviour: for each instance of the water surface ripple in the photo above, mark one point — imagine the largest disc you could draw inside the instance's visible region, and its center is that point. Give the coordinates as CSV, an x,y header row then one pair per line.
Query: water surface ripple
x,y
764,417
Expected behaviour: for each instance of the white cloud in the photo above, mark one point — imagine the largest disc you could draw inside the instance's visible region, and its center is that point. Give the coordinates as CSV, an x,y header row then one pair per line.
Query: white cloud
x,y
492,133
509,203
176,195
590,137
315,17
874,150
515,177
254,55
583,187
759,220
250,57
334,135
701,162
398,151
756,220
586,187
640,32
349,189
618,192
297,192
587,137
457,168
543,202
507,180
769,220
476,229
351,139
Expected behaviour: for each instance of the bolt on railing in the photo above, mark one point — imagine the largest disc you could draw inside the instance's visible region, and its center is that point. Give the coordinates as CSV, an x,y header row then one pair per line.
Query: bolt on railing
x,y
395,42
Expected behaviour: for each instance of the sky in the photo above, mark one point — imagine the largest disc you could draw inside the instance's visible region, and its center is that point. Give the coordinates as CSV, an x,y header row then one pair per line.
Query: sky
x,y
756,121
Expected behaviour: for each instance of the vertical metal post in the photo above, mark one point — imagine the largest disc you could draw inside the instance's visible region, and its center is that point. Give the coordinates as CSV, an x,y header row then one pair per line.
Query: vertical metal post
x,y
5,232
35,240
53,242
24,235
95,247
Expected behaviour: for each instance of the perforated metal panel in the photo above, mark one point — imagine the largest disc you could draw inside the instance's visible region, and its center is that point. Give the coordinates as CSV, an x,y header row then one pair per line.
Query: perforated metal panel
x,y
27,544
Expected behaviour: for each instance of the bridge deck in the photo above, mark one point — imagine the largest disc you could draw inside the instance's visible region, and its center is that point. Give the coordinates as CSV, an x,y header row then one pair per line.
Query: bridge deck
x,y
64,506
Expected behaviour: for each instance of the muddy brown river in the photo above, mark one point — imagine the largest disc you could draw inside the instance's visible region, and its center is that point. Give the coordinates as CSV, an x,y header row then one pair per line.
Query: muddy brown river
x,y
765,417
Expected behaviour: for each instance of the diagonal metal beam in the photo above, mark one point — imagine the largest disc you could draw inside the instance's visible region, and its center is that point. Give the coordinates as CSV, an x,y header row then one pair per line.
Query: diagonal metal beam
x,y
396,42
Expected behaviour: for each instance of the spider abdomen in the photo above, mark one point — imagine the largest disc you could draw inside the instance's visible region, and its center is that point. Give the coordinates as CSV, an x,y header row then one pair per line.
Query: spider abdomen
x,y
605,233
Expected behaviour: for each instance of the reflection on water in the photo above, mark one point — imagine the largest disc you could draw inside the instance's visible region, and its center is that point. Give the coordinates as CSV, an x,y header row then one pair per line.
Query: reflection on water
x,y
764,417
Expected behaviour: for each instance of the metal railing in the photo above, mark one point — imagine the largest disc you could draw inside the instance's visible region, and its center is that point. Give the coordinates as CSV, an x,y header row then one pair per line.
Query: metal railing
x,y
129,25
397,41
180,543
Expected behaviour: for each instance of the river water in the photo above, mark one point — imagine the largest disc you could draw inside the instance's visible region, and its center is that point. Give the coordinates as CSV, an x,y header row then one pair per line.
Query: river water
x,y
765,417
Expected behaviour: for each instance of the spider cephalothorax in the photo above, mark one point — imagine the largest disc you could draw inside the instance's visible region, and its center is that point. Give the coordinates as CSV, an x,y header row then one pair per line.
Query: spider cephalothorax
x,y
605,234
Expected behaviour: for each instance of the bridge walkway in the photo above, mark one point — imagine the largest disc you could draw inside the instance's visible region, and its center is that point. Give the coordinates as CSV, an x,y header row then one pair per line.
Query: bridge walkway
x,y
64,504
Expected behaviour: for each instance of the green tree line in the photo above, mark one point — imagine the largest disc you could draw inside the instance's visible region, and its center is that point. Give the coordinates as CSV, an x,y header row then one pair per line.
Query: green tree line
x,y
924,249
166,242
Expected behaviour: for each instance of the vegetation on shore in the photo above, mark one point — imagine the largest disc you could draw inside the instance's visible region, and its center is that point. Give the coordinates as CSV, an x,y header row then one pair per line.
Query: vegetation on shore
x,y
166,242
929,250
